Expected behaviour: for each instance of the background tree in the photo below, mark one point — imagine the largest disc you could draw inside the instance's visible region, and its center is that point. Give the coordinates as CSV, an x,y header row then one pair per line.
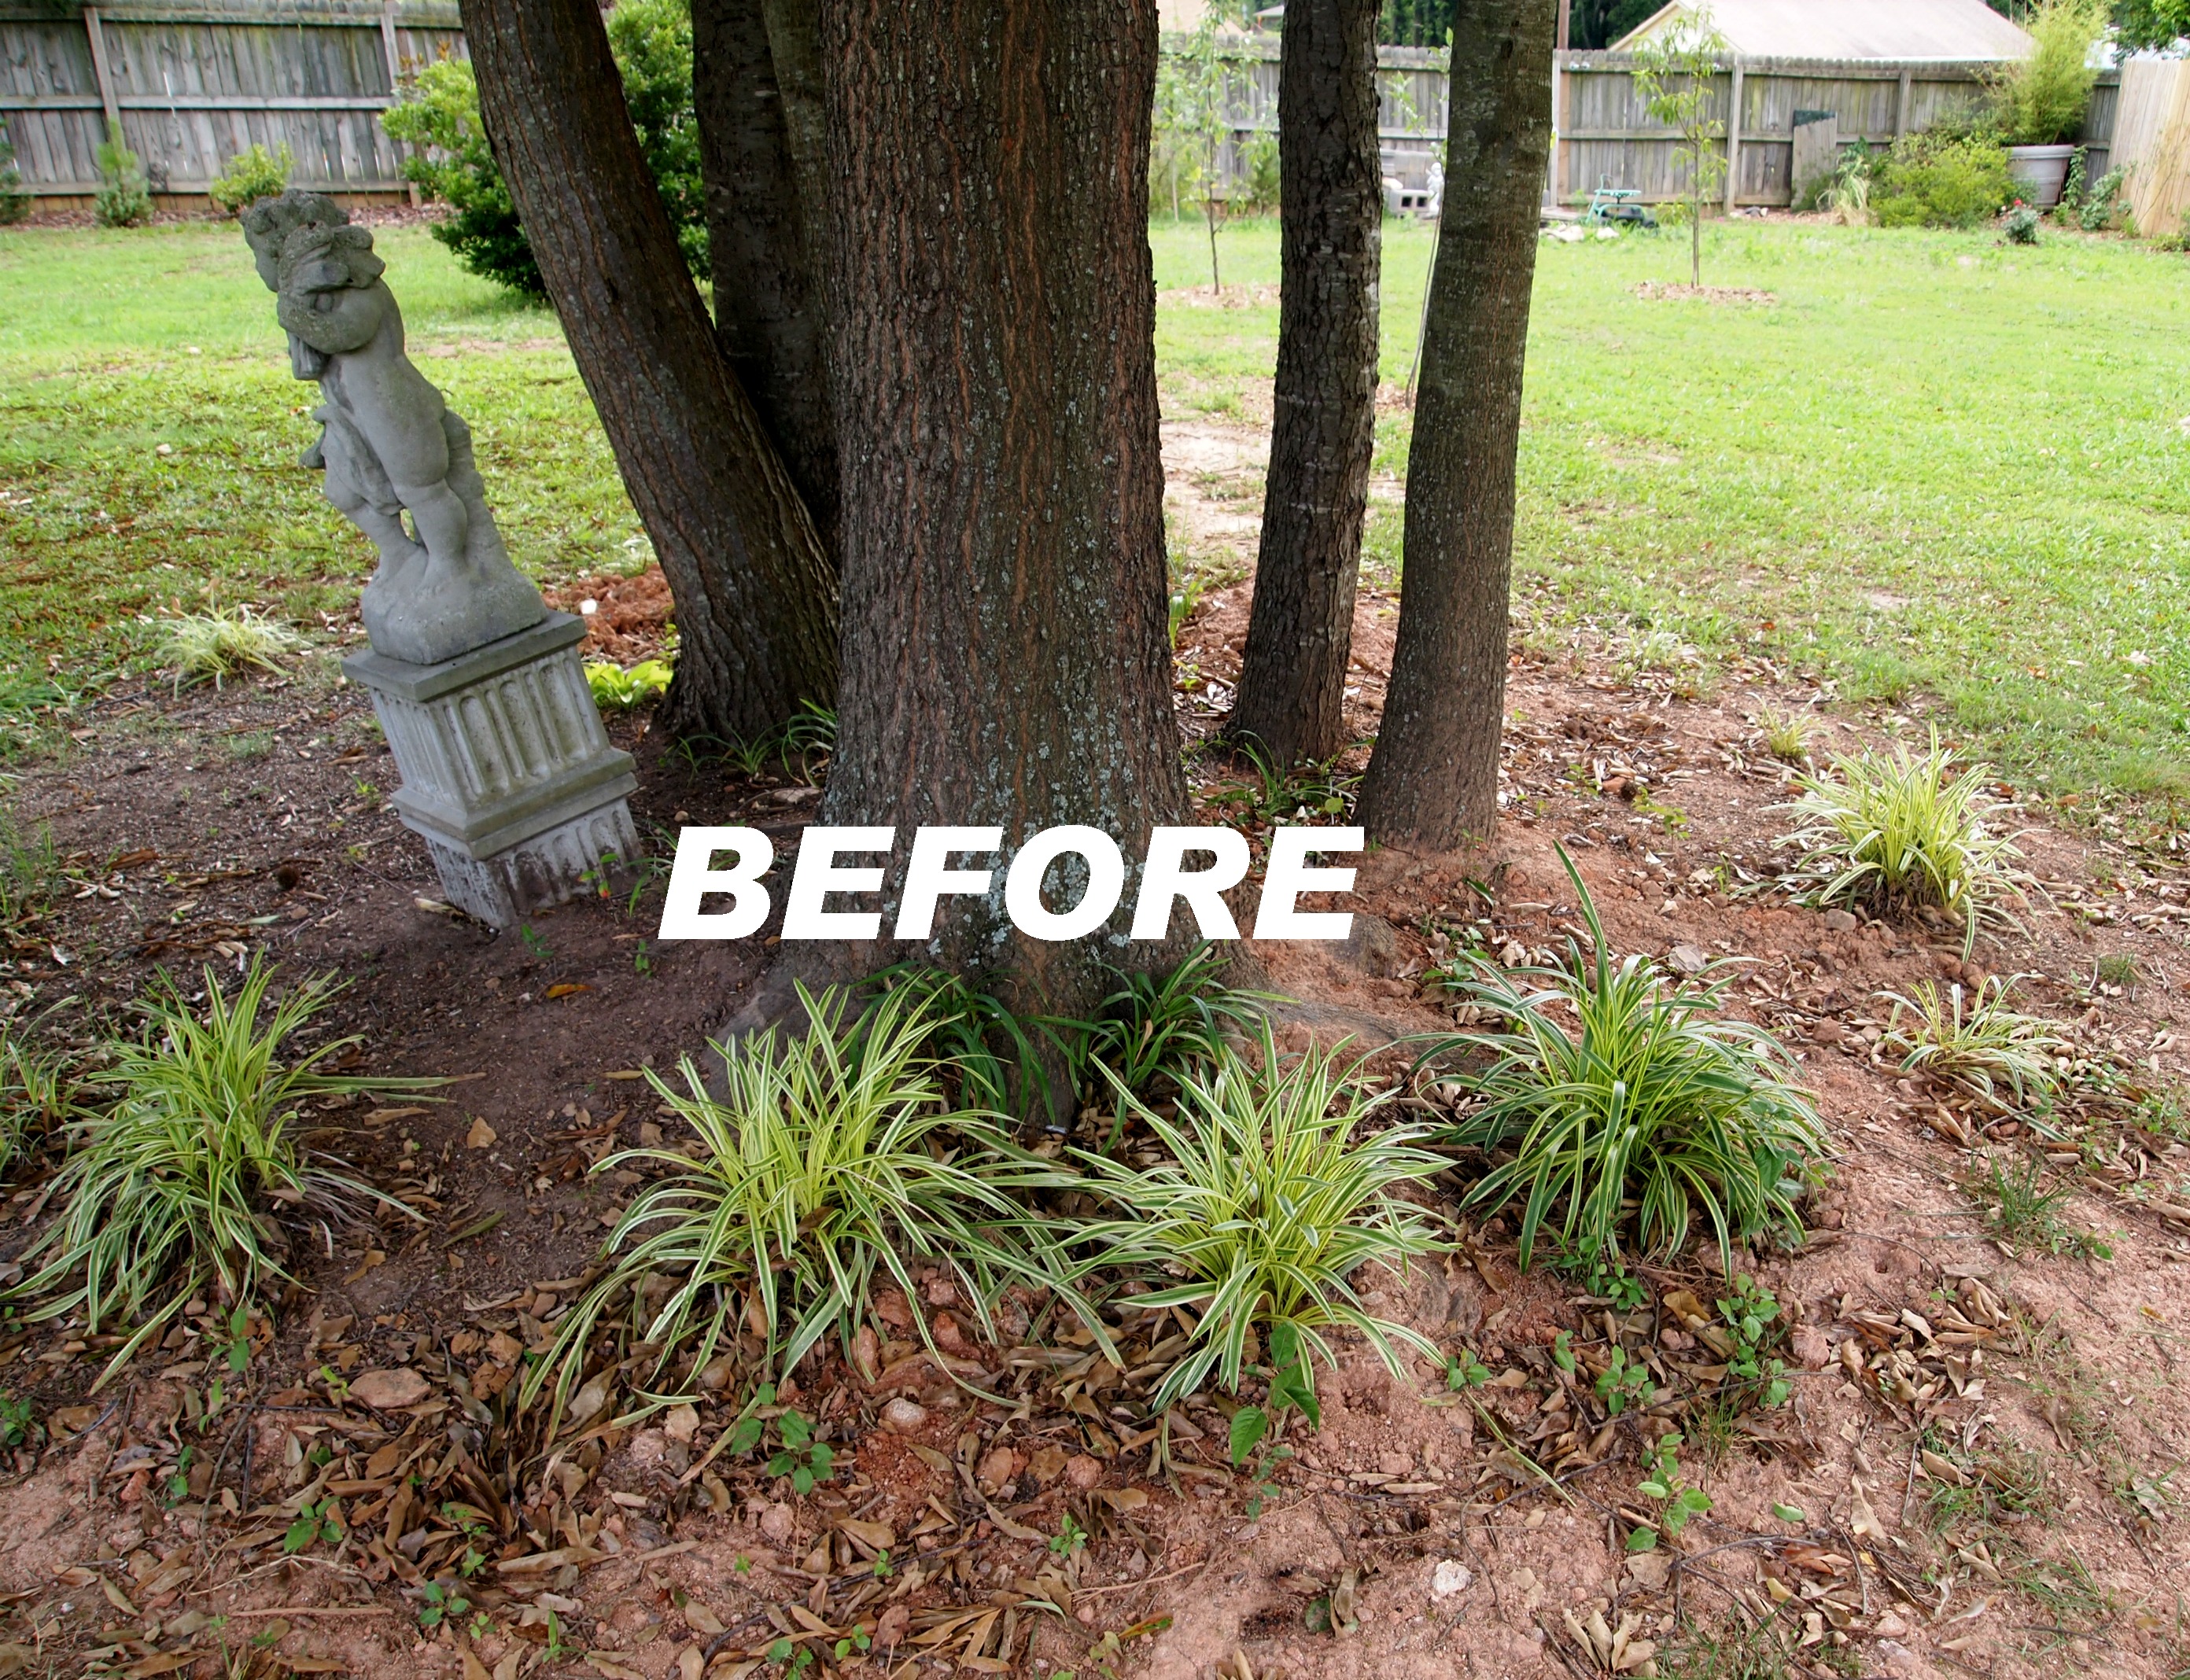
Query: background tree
x,y
1006,659
2154,25
1202,77
1292,681
1434,779
1674,72
756,89
755,594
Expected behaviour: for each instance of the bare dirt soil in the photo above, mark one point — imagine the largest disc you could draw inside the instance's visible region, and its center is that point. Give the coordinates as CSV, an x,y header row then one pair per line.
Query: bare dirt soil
x,y
1971,1475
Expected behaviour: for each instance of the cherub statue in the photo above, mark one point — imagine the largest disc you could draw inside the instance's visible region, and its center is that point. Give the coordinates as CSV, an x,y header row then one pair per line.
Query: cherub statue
x,y
389,443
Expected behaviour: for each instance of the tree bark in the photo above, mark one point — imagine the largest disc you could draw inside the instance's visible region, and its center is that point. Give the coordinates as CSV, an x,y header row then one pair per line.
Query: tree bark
x,y
1300,632
755,595
1434,779
770,319
1005,650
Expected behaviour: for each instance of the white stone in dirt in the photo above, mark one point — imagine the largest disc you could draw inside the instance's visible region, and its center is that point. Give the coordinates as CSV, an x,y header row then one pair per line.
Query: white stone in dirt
x,y
1451,1576
901,1414
1688,959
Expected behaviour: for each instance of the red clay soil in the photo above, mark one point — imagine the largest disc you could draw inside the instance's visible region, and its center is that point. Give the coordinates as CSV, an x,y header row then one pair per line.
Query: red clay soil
x,y
1978,1442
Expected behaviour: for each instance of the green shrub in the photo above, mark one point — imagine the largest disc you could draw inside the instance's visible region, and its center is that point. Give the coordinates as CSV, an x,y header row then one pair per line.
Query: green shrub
x,y
2042,99
826,1158
1643,1111
1939,178
1904,831
652,40
14,197
180,1186
1266,1209
122,200
437,118
252,174
2020,224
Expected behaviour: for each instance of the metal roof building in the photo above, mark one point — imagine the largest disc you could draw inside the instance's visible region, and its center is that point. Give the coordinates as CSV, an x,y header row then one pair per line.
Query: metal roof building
x,y
1958,30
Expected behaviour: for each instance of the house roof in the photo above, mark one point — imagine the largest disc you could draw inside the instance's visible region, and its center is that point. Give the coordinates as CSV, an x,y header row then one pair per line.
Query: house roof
x,y
1850,29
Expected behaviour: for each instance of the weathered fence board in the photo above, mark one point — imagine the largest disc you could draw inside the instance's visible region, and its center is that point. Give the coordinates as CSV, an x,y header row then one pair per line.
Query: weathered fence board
x,y
192,86
2153,139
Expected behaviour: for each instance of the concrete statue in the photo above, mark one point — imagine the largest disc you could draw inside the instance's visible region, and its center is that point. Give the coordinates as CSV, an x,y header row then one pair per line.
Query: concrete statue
x,y
391,444
508,774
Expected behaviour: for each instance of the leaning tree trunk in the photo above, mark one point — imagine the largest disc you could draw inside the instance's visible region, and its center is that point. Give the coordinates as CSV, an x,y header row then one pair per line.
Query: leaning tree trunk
x,y
755,595
1434,779
1005,655
770,316
1292,681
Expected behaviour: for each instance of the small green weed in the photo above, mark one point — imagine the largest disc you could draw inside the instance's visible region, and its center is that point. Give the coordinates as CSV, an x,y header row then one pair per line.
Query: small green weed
x,y
1677,1502
1624,1381
443,1602
1756,1324
2019,1209
17,1419
615,688
313,1523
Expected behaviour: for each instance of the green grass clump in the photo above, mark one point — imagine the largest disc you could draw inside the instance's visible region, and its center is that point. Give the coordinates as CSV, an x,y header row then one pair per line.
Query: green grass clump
x,y
1786,735
30,869
1642,1112
1978,1042
37,1098
210,647
1902,832
830,1158
182,1186
1155,1029
1267,1209
2019,1208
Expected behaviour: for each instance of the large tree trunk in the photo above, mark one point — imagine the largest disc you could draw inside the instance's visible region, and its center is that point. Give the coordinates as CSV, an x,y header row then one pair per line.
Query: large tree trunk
x,y
1292,681
1005,660
755,595
1433,780
769,316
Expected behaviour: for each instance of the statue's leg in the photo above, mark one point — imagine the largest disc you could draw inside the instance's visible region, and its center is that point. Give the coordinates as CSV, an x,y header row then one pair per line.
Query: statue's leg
x,y
439,514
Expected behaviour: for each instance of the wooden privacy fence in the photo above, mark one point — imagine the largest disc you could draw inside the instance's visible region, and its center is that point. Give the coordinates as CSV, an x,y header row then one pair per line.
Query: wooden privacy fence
x,y
193,85
1606,137
2151,137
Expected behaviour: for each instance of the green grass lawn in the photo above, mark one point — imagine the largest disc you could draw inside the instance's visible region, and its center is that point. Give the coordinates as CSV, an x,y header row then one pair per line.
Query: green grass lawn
x,y
1935,463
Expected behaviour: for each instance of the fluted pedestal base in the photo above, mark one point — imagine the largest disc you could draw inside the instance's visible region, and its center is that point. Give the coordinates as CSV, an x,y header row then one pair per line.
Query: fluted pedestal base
x,y
508,774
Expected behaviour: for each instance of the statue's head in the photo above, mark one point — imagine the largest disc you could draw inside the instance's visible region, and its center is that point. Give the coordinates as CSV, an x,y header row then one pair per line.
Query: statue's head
x,y
270,224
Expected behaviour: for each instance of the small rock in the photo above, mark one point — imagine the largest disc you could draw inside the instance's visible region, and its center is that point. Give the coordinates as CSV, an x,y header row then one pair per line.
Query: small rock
x,y
941,1291
1809,1345
1083,1471
775,1524
947,1337
1974,975
1451,1576
481,1136
901,1414
1396,1464
1827,1032
1890,1626
1840,921
867,1353
389,1390
1688,959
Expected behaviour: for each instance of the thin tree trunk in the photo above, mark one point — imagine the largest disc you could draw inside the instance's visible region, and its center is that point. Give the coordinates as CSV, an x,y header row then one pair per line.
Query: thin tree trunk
x,y
770,319
1433,780
755,595
1006,659
1292,680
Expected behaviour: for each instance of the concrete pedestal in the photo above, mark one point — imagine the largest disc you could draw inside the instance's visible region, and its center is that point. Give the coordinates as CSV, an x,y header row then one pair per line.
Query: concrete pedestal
x,y
507,772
